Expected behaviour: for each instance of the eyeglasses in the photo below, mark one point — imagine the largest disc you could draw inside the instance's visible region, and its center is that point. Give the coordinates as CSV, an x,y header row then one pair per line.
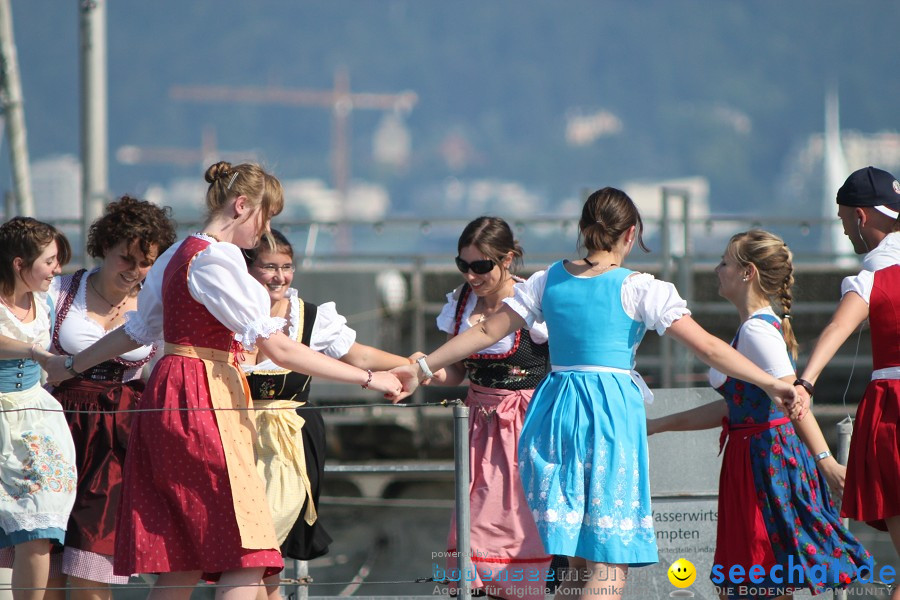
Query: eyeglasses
x,y
478,267
272,269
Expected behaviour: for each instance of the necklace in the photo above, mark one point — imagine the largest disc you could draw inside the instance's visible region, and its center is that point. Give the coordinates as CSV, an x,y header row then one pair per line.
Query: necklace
x,y
595,264
118,306
13,308
483,307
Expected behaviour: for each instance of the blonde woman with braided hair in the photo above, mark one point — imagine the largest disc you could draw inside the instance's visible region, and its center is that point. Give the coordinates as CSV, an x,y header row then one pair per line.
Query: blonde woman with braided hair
x,y
583,440
775,507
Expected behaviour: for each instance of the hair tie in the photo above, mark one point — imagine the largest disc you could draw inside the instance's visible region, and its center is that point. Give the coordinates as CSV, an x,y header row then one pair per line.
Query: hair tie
x,y
787,315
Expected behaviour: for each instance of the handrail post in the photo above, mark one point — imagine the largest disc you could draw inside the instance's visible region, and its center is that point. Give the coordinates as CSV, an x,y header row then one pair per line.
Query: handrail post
x,y
417,296
665,275
300,591
461,464
845,432
676,360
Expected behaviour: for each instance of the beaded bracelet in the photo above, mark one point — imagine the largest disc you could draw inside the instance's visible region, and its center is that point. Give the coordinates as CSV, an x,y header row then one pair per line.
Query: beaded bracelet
x,y
368,382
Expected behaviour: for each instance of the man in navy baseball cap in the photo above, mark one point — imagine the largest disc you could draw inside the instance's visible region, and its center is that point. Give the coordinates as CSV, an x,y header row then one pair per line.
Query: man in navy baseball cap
x,y
868,206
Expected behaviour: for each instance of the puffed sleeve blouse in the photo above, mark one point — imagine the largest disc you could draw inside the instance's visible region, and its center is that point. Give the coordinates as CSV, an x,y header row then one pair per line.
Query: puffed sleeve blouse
x,y
645,299
217,279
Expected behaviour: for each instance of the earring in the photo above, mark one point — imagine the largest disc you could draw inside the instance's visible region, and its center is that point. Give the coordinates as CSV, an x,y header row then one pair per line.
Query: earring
x,y
235,217
745,279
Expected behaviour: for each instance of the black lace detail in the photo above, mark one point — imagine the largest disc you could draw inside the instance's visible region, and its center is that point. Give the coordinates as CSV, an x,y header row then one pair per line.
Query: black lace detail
x,y
522,368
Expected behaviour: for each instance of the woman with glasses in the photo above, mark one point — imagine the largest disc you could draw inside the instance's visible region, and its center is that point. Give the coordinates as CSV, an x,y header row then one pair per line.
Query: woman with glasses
x,y
291,442
502,377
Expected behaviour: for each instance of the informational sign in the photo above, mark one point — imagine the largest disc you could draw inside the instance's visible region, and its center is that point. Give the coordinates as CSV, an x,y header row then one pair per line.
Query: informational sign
x,y
684,483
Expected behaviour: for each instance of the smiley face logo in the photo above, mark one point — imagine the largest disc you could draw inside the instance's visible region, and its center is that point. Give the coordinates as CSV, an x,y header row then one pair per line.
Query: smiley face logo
x,y
682,573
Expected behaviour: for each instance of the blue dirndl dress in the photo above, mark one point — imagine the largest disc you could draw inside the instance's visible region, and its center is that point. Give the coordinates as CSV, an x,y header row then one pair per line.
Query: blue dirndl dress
x,y
583,447
774,505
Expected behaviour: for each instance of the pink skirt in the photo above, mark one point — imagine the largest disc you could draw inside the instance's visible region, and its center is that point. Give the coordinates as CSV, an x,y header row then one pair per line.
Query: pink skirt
x,y
506,548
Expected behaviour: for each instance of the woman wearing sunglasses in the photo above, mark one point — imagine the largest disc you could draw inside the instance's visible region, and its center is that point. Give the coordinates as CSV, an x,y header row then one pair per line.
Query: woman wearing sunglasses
x,y
583,447
502,378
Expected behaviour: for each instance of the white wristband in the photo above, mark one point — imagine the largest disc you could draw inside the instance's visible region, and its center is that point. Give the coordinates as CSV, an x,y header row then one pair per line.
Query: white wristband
x,y
424,366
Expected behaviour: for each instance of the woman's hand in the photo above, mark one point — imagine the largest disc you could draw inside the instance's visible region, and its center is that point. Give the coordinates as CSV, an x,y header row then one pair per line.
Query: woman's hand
x,y
440,378
409,377
834,473
40,355
56,369
385,382
803,398
785,396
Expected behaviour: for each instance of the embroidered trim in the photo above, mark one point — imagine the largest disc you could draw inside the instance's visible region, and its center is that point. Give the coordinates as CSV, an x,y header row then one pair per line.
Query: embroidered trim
x,y
461,309
263,328
295,331
67,297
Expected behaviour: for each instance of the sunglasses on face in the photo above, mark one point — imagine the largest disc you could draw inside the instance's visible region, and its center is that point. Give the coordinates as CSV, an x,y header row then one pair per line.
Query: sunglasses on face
x,y
478,267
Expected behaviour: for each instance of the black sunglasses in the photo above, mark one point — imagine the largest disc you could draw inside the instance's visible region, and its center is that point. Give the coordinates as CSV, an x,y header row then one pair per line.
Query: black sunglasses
x,y
479,267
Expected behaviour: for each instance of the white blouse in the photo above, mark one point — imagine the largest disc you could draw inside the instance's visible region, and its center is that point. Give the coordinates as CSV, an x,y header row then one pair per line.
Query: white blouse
x,y
330,334
446,322
217,279
645,299
764,345
79,330
37,331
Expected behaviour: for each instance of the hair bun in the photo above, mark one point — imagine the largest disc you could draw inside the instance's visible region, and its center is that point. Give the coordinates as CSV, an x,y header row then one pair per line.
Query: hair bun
x,y
218,171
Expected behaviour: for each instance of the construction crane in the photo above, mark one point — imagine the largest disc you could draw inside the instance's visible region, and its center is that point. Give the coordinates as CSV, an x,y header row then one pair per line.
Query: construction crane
x,y
340,100
205,155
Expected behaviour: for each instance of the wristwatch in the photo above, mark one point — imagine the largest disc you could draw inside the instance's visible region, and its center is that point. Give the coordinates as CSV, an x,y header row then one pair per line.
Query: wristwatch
x,y
424,366
822,455
70,360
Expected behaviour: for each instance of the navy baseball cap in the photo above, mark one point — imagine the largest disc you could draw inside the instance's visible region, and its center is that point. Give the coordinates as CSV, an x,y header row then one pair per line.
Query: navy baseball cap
x,y
873,188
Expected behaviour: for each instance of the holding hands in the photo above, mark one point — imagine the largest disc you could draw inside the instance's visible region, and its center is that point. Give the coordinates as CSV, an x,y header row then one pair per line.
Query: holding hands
x,y
409,377
792,404
385,382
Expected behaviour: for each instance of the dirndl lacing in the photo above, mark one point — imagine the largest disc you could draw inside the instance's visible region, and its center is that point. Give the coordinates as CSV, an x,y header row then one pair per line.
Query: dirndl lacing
x,y
635,376
886,373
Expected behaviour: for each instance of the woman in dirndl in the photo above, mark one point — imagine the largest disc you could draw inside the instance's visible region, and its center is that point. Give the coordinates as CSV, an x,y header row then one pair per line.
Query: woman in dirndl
x,y
775,505
502,377
90,303
37,457
193,504
583,447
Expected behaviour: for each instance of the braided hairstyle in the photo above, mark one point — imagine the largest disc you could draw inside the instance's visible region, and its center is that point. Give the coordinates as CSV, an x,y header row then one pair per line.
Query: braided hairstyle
x,y
26,238
606,216
227,181
774,265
